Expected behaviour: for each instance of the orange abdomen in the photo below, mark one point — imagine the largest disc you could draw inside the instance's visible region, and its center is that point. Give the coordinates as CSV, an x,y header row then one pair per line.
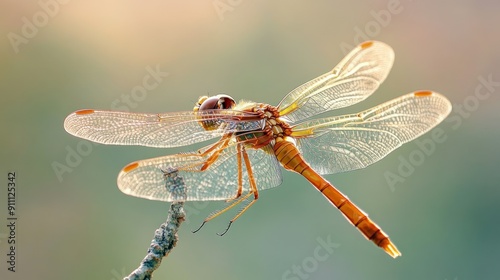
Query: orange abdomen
x,y
291,159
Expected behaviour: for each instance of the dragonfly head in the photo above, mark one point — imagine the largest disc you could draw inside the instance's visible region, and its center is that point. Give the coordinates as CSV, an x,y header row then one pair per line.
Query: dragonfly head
x,y
205,103
220,101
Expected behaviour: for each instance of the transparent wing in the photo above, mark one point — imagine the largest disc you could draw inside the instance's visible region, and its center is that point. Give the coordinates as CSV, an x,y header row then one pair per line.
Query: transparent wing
x,y
157,130
349,142
355,78
146,179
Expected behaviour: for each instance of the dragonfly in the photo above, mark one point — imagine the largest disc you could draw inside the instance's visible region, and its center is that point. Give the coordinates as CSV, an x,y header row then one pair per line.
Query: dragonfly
x,y
252,140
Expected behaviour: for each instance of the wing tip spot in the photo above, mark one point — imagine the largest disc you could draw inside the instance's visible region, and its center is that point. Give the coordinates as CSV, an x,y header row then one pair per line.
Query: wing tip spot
x,y
422,93
84,112
366,44
130,167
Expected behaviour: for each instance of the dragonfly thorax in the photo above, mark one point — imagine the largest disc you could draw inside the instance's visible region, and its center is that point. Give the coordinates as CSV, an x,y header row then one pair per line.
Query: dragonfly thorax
x,y
274,127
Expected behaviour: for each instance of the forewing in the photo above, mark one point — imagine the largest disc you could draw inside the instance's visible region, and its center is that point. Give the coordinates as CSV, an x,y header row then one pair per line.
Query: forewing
x,y
146,179
157,130
349,142
355,78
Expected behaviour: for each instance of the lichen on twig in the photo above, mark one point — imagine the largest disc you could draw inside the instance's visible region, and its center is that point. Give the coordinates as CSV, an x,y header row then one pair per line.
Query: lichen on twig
x,y
165,237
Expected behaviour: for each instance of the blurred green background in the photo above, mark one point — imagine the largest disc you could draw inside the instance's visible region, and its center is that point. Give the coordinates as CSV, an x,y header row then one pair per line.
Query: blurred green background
x,y
56,58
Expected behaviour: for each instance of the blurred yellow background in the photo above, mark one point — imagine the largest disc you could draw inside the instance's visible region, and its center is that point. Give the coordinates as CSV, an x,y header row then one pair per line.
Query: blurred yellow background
x,y
74,223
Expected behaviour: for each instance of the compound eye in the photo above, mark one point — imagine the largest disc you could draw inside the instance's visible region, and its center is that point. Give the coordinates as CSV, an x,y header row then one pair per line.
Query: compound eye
x,y
209,103
220,101
226,101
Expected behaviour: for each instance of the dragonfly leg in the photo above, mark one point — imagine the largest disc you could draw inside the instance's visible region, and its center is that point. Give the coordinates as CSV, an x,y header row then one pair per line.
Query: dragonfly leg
x,y
239,213
253,190
224,140
226,230
243,198
240,198
240,172
215,155
223,210
202,224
